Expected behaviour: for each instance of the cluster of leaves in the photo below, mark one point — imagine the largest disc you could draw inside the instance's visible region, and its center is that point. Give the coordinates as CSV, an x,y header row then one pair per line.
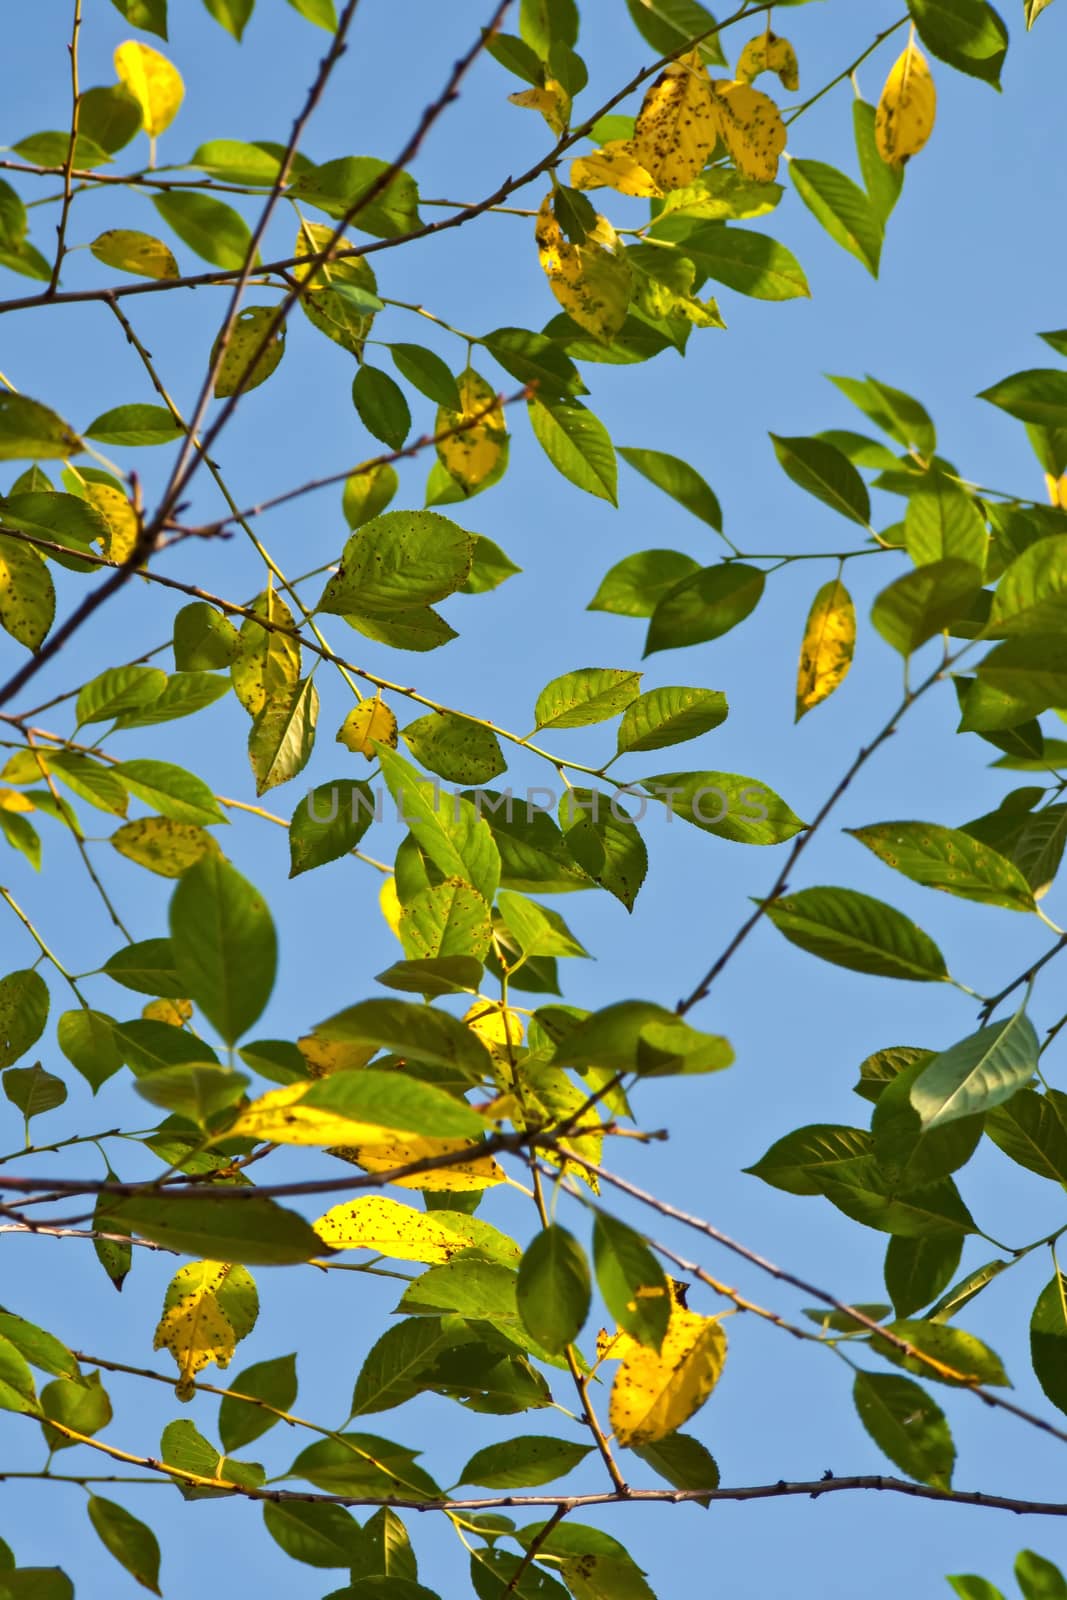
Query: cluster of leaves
x,y
440,1082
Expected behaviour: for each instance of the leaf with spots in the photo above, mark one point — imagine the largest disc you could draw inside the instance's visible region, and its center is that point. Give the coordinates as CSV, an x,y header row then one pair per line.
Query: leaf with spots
x,y
27,593
592,281
208,1307
751,127
826,650
656,1391
253,351
614,166
129,251
476,454
677,124
950,860
388,1228
455,747
905,116
163,846
769,52
267,664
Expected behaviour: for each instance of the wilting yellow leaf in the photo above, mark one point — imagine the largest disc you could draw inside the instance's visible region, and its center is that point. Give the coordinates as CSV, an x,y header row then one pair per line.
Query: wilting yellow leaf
x,y
391,1229
552,100
380,1156
389,902
655,1392
174,1012
122,521
153,82
591,280
162,845
278,1118
471,457
752,128
267,665
497,1029
324,1056
826,651
371,719
1057,490
905,116
767,52
676,126
194,1327
615,166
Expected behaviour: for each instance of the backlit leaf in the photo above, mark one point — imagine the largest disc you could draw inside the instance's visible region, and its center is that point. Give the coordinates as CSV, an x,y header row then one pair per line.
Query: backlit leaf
x,y
853,930
655,1392
906,110
827,646
153,81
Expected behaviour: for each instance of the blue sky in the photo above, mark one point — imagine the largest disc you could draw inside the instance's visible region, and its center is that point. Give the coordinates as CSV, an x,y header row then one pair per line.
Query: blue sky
x,y
971,270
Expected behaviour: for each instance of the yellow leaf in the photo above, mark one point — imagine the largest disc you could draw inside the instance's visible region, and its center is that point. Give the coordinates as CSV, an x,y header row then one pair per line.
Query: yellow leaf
x,y
194,1327
471,457
752,129
767,52
655,1392
389,901
174,1012
1057,490
153,82
615,166
267,665
905,116
391,1229
325,303
324,1056
591,281
501,1031
676,126
552,100
371,719
25,766
140,253
123,525
279,1118
826,651
481,1173
164,846
11,800
253,326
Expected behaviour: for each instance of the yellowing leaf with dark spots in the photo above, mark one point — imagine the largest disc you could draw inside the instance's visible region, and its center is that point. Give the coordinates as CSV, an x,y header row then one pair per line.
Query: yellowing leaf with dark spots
x,y
166,847
268,662
390,1229
279,1118
676,126
27,594
470,458
174,1012
340,299
122,522
655,1392
370,720
592,280
614,166
194,1327
480,1173
552,100
255,347
752,129
905,116
768,52
153,82
500,1030
129,251
324,1056
827,647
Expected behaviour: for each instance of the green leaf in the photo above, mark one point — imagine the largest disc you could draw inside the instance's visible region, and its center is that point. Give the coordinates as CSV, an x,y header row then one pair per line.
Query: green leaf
x,y
148,14
843,209
801,1161
386,1549
328,823
1048,1340
203,638
1038,1579
186,693
250,1230
135,425
947,859
321,12
968,34
971,1587
896,413
918,1269
553,1290
90,781
41,1349
704,605
362,1464
388,1099
233,15
631,1281
577,444
952,1347
283,735
214,230
909,1154
663,717
110,116
381,405
197,1093
319,1535
637,1036
635,586
678,479
983,1070
30,431
1037,395
254,349
524,1462
534,359
726,804
81,1404
683,1461
224,946
446,921
17,1392
603,839
866,1194
1031,1130
538,931
668,24
366,494
749,262
451,831
433,976
27,593
412,1030
456,748
592,694
942,522
170,790
493,1569
490,567
1031,597
398,561
147,966
23,1013
33,1090
338,188
825,473
130,1541
903,1421
922,603
883,182
430,375
856,931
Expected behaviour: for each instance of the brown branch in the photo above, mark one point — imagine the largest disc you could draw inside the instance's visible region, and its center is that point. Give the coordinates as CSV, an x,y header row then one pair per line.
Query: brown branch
x,y
68,165
1032,970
